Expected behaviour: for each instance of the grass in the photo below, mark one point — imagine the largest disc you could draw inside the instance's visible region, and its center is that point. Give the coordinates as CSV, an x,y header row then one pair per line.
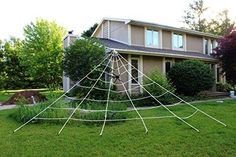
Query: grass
x,y
166,137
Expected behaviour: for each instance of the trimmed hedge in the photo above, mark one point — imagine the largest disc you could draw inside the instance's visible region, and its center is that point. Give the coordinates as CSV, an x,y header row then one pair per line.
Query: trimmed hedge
x,y
191,76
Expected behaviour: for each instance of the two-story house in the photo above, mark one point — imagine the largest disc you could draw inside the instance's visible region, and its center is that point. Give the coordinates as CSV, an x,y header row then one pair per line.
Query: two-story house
x,y
151,46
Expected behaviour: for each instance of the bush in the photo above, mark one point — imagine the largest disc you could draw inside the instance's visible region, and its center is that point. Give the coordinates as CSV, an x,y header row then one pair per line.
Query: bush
x,y
156,90
224,87
81,57
86,115
24,113
191,76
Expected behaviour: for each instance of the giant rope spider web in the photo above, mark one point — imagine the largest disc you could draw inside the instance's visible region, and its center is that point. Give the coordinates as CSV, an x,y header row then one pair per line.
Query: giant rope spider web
x,y
111,71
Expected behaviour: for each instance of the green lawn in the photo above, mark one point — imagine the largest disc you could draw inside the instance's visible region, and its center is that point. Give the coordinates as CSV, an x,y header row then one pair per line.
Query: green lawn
x,y
166,137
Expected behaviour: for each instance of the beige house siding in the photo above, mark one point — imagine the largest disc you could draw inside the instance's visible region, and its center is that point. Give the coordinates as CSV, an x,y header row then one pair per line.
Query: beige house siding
x,y
166,39
124,77
98,33
151,63
194,43
105,29
119,31
137,35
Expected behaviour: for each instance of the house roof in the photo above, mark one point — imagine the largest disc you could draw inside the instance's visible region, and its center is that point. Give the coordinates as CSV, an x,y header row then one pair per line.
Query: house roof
x,y
125,48
165,27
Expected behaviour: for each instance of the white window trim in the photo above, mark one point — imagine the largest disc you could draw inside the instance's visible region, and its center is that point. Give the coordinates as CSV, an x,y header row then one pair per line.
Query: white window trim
x,y
159,37
184,41
129,34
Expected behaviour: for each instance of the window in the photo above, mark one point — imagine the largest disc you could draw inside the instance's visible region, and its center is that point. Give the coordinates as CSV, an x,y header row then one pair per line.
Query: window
x,y
134,70
206,46
178,41
152,38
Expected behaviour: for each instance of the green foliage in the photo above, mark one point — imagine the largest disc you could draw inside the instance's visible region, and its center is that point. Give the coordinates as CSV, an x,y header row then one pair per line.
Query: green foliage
x,y
156,90
221,25
24,113
224,87
43,51
191,76
90,31
100,115
12,74
195,19
81,57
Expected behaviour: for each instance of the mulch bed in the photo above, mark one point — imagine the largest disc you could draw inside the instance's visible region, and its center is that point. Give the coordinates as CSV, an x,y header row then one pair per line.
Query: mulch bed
x,y
25,97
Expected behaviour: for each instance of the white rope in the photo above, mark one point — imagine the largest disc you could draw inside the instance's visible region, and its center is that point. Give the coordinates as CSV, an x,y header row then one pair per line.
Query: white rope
x,y
176,95
160,102
84,98
108,120
127,93
61,95
115,91
127,100
107,103
116,111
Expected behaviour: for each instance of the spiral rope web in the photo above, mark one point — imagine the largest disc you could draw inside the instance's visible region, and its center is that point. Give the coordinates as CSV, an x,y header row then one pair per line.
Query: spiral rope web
x,y
110,72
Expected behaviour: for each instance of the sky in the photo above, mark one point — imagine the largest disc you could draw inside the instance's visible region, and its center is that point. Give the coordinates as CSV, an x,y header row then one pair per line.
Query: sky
x,y
79,15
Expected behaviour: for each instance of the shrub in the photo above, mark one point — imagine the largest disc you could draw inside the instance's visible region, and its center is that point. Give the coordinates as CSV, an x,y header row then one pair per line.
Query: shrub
x,y
24,113
191,76
224,87
100,115
156,90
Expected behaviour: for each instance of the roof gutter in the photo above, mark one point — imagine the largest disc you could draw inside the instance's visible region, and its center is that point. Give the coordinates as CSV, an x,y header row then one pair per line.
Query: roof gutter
x,y
161,54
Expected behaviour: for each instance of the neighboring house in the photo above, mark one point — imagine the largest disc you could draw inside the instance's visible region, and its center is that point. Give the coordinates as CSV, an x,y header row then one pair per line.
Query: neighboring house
x,y
151,46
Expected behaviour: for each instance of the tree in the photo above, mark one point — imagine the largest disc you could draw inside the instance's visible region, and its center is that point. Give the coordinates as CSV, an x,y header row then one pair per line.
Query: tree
x,y
12,74
81,57
222,24
43,52
90,31
226,53
191,76
194,18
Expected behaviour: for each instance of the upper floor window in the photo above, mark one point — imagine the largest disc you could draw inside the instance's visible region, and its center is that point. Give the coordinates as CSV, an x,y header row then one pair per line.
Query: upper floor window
x,y
178,41
152,38
206,46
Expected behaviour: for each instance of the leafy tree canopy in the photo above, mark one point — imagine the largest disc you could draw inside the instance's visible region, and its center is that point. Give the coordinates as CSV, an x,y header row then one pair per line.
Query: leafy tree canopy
x,y
90,31
226,52
12,74
195,19
81,57
43,51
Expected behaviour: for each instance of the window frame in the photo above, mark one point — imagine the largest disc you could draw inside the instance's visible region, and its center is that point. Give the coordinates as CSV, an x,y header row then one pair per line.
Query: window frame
x,y
158,38
183,41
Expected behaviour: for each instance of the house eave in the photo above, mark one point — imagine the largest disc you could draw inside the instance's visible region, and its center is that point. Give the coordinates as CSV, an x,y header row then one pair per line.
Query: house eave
x,y
161,54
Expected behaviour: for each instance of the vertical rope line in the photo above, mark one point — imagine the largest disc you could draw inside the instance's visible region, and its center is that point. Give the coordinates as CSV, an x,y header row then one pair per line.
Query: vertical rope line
x,y
128,95
108,98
